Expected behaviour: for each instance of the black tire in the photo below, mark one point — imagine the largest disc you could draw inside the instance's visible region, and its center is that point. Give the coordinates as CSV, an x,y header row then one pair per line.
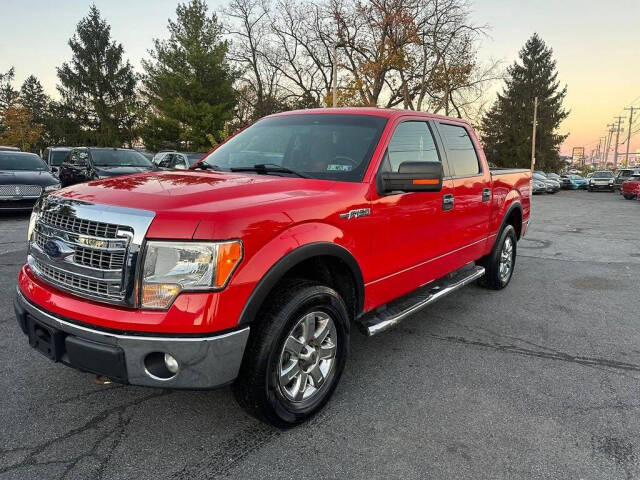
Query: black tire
x,y
257,388
492,278
628,197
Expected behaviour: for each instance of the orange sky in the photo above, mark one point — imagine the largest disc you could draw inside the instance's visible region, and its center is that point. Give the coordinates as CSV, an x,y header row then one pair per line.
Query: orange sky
x,y
596,46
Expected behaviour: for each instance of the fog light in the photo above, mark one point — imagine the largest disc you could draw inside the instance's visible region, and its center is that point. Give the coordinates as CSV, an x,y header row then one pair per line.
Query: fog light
x,y
171,363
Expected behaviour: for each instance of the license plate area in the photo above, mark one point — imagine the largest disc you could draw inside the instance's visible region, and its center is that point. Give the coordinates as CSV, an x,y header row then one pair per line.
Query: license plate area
x,y
45,339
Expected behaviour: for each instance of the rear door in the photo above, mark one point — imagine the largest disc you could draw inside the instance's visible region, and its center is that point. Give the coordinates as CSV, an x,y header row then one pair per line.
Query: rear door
x,y
471,191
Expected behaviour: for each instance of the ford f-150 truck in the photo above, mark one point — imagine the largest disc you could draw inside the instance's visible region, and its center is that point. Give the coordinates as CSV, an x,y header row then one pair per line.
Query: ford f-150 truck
x,y
252,267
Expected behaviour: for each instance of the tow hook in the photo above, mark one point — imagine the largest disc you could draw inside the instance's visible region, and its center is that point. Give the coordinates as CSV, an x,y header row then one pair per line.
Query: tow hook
x,y
102,380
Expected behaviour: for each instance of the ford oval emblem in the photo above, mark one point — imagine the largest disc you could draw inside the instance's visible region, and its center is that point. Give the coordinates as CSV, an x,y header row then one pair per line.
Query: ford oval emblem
x,y
56,249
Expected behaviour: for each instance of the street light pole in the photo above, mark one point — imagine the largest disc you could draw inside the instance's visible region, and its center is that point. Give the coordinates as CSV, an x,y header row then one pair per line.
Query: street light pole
x,y
533,136
626,155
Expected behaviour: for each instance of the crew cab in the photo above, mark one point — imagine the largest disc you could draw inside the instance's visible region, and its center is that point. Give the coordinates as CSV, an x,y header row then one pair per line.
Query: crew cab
x,y
252,267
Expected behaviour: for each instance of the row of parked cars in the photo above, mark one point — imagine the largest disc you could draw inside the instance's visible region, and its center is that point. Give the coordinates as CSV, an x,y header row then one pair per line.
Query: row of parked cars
x,y
24,176
627,181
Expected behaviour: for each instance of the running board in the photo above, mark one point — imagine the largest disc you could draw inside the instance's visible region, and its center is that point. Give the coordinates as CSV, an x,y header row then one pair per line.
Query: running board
x,y
393,313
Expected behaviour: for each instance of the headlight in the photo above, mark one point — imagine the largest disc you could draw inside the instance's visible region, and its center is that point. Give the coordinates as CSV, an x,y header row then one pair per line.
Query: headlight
x,y
51,188
32,225
174,267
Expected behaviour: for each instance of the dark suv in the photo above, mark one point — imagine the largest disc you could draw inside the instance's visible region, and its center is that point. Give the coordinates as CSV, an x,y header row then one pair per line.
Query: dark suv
x,y
624,174
91,163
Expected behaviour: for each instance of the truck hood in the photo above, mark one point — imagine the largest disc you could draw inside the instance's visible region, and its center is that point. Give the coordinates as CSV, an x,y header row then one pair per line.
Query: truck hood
x,y
184,199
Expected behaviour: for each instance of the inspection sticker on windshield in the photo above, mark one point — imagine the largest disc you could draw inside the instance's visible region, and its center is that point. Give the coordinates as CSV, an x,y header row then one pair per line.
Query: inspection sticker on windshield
x,y
339,168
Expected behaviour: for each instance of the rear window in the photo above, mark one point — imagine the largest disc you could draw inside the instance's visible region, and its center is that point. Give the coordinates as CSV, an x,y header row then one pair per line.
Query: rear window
x,y
602,175
21,161
57,157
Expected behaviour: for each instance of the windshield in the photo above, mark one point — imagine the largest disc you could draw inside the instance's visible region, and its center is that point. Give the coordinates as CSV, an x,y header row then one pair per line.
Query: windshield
x,y
193,158
21,161
602,175
323,146
57,157
537,176
119,158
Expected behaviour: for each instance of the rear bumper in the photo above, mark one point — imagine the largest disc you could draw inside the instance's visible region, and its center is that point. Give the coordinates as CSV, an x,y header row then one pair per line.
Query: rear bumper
x,y
204,361
601,186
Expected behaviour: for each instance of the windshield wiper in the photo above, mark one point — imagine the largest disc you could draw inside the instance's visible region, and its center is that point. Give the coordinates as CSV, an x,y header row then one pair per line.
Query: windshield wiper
x,y
204,166
268,168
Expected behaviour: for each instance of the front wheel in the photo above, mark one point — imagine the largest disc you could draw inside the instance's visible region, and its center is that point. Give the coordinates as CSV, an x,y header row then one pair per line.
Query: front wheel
x,y
628,197
499,264
296,354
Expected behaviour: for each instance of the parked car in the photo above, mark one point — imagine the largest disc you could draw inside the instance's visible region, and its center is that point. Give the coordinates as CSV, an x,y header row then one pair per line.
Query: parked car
x,y
23,177
252,267
91,163
177,160
631,187
551,186
573,182
540,172
538,186
54,156
8,149
553,176
622,175
602,180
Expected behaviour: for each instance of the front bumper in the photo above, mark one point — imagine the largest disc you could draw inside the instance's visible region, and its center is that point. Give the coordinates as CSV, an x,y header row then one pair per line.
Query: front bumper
x,y
17,203
205,361
601,186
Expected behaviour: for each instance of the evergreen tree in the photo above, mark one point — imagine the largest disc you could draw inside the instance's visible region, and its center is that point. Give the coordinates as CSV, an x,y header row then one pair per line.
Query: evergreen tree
x,y
33,98
188,83
507,126
7,95
97,86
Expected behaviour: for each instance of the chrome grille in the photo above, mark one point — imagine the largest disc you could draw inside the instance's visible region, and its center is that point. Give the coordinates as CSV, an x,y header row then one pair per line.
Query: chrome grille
x,y
81,284
20,190
80,225
73,248
91,257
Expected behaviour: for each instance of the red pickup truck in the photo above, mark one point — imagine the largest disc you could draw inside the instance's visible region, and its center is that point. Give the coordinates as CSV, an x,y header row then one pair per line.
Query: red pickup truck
x,y
251,268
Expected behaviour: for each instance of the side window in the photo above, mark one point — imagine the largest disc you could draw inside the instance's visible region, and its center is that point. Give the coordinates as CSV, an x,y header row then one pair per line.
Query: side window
x,y
78,158
411,142
460,152
178,161
165,160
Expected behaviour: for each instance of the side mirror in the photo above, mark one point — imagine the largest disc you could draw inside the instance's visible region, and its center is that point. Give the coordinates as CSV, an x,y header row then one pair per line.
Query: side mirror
x,y
414,177
180,166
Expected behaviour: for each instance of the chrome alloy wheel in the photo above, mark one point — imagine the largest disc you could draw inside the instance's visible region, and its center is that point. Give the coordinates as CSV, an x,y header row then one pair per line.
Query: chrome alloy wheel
x,y
506,259
308,356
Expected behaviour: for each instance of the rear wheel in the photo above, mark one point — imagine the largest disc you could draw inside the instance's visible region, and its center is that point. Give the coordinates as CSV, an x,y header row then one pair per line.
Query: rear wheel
x,y
499,264
296,354
628,197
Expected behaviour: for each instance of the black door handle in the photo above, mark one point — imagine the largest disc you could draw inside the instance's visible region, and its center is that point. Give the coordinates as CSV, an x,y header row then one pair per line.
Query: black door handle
x,y
447,202
486,194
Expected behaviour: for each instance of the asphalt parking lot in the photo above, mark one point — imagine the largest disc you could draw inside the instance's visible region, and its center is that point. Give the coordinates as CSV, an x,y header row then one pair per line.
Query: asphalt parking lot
x,y
541,380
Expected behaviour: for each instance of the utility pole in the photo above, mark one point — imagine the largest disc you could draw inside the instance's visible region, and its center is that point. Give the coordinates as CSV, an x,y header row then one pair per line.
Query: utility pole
x,y
334,76
626,155
615,156
533,136
607,144
598,151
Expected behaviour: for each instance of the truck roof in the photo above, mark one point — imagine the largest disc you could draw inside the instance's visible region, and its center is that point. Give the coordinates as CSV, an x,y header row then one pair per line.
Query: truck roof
x,y
374,111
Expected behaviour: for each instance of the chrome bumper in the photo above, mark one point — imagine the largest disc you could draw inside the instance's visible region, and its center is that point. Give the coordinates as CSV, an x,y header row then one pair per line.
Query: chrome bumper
x,y
204,362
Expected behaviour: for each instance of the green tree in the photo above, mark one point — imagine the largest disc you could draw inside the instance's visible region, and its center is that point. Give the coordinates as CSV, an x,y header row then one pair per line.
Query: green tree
x,y
98,86
7,95
32,97
507,126
188,83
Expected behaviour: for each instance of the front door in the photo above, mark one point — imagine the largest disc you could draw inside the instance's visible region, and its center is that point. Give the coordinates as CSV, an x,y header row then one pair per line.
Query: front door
x,y
413,232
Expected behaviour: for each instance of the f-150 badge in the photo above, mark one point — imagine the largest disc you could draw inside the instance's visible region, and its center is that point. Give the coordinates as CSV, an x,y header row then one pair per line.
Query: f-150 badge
x,y
359,212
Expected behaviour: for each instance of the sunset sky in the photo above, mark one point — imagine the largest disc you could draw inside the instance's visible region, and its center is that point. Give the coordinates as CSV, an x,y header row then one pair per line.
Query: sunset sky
x,y
596,46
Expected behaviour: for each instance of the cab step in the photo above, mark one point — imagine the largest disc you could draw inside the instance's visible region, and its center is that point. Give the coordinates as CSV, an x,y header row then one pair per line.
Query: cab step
x,y
391,314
